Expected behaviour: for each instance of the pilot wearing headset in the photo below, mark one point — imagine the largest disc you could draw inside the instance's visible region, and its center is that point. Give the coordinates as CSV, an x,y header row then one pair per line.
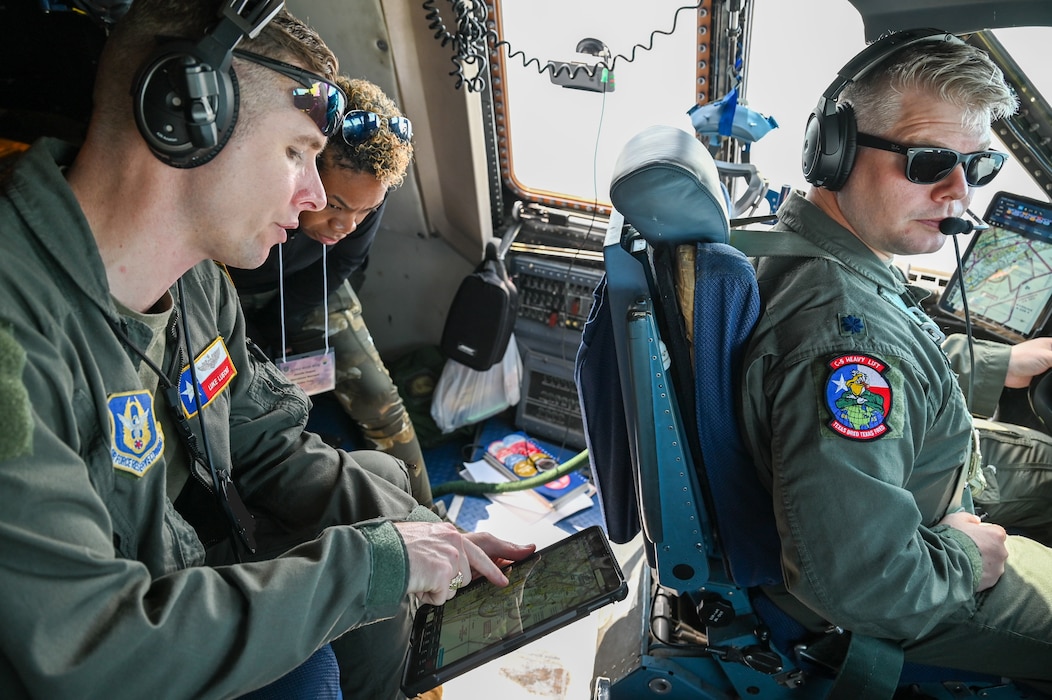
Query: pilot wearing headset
x,y
285,298
851,409
168,527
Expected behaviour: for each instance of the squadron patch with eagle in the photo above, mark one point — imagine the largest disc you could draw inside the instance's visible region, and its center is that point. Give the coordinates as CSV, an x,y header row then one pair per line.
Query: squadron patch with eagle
x,y
858,396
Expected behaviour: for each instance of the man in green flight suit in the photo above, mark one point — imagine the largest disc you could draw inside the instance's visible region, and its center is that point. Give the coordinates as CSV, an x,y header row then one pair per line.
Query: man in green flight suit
x,y
879,534
168,528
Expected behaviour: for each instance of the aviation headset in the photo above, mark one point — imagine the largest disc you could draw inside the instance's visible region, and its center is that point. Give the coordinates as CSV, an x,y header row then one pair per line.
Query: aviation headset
x,y
829,138
185,96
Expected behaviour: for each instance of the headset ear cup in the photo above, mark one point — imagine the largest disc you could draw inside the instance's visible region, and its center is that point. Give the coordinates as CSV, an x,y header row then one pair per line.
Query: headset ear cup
x,y
812,149
823,146
830,142
840,169
185,97
184,109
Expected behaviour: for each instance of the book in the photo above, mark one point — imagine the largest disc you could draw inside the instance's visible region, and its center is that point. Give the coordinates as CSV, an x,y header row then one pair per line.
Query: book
x,y
516,456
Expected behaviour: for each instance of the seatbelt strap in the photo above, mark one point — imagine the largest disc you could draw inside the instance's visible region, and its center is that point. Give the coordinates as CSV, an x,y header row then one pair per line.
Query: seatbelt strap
x,y
870,671
916,314
755,244
867,668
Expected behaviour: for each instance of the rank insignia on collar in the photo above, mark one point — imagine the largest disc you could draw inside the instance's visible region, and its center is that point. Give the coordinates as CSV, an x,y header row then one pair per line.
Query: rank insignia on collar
x,y
136,438
858,397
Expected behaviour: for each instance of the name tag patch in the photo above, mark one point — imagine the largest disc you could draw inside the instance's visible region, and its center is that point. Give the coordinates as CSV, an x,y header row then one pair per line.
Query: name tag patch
x,y
136,439
858,397
214,370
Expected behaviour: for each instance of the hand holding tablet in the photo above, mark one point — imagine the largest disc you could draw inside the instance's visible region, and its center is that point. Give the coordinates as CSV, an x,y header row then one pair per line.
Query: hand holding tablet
x,y
547,590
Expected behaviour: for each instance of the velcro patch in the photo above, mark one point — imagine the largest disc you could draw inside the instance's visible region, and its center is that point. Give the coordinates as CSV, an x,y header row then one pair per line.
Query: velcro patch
x,y
214,370
16,440
136,438
858,396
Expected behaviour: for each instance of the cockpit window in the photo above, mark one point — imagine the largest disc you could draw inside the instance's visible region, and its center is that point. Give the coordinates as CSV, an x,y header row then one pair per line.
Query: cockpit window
x,y
561,118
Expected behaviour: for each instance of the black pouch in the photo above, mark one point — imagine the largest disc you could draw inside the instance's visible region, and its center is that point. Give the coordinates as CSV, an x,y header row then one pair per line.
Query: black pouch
x,y
482,315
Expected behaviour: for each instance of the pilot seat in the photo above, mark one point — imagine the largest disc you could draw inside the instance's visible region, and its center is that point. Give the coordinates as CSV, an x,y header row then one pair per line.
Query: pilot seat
x,y
656,375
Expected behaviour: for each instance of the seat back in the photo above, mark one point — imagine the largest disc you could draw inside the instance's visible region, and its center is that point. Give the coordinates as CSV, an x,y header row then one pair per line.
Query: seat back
x,y
665,450
669,201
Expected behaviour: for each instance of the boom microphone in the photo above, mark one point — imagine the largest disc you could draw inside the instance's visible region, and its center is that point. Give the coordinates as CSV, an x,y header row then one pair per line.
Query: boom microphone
x,y
951,226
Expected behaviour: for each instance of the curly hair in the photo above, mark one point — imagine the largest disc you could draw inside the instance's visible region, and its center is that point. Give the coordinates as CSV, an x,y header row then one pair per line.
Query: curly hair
x,y
384,154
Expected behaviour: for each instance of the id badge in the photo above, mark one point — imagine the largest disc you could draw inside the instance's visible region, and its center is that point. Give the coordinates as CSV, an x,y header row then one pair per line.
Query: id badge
x,y
314,372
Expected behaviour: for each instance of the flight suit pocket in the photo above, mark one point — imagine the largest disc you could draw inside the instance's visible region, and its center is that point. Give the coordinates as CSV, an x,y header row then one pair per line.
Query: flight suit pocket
x,y
1017,464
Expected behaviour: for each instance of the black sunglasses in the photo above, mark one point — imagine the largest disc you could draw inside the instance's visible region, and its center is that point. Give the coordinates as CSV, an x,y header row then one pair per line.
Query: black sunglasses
x,y
359,125
926,165
321,100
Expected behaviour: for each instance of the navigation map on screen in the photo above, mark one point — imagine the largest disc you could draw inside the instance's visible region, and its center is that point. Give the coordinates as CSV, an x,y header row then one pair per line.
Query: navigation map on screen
x,y
546,587
1008,270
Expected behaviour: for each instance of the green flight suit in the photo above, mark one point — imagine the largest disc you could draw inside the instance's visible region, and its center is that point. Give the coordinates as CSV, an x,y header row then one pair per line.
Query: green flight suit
x,y
106,591
1016,488
859,428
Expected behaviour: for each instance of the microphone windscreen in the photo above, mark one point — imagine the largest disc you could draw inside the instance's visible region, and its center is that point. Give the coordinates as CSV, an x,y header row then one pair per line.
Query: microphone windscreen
x,y
953,225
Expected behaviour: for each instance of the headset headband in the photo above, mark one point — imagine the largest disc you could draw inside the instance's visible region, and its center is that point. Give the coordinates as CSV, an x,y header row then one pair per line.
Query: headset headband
x,y
829,138
875,54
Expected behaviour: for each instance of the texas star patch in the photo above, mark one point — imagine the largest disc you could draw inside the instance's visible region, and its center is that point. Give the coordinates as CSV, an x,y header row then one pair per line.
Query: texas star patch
x,y
858,396
136,438
214,370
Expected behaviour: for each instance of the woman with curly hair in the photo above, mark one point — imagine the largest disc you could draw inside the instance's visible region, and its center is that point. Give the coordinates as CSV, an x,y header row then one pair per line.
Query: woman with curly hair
x,y
284,299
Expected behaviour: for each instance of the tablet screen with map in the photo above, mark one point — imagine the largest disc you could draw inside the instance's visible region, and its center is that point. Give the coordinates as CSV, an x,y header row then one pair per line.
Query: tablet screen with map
x,y
1007,270
547,590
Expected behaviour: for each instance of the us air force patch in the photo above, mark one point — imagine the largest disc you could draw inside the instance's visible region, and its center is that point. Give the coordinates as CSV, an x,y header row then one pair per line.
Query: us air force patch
x,y
136,438
858,396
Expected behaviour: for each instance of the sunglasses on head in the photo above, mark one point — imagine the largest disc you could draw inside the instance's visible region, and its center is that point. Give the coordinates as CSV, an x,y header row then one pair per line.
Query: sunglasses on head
x,y
927,165
359,125
321,100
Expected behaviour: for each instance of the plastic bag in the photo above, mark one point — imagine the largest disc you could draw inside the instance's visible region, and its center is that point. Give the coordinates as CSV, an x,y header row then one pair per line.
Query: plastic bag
x,y
464,396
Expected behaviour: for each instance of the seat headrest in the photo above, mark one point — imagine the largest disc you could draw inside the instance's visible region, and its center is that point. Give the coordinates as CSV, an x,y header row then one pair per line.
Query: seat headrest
x,y
667,186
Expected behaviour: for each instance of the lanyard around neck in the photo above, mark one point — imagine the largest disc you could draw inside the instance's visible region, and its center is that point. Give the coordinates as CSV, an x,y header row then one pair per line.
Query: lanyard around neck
x,y
238,516
325,297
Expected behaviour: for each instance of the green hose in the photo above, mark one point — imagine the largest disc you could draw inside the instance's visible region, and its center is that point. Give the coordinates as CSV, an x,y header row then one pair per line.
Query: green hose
x,y
473,488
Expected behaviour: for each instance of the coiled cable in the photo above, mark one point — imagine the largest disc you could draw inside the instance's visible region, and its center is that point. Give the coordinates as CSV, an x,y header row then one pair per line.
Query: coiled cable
x,y
472,40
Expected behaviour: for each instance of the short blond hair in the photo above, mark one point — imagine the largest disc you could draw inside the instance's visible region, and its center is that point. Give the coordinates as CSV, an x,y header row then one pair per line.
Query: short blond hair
x,y
950,71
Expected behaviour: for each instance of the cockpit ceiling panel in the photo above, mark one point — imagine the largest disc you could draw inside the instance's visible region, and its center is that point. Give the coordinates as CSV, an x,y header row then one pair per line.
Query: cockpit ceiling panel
x,y
957,16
